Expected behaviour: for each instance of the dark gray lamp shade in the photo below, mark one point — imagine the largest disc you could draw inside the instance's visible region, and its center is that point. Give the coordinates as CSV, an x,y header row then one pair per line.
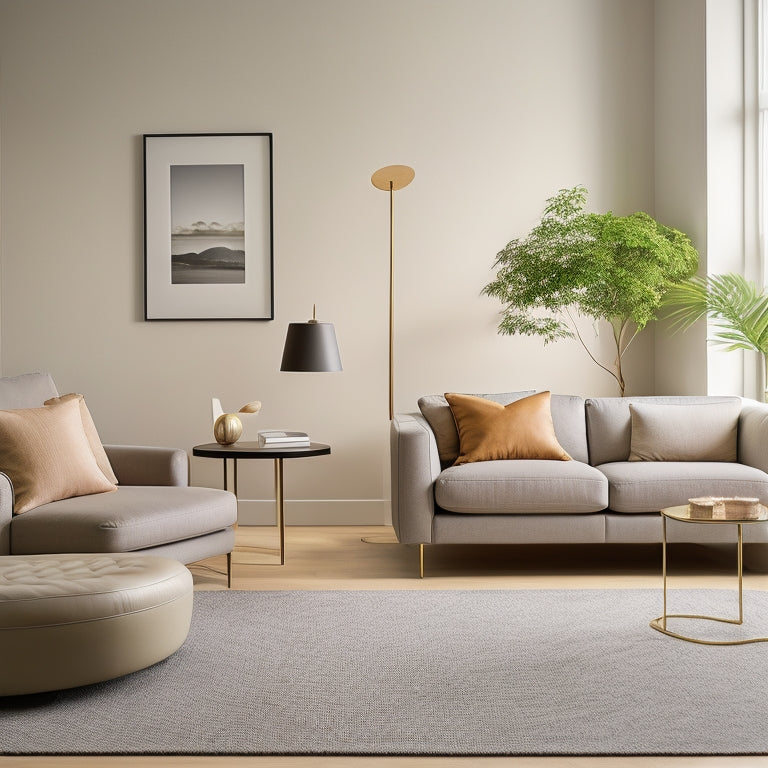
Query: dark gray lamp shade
x,y
311,346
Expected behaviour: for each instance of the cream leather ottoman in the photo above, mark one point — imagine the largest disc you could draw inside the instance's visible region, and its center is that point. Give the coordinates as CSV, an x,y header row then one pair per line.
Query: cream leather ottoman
x,y
69,620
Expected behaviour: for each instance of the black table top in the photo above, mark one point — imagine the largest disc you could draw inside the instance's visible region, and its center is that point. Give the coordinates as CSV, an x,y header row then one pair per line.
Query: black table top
x,y
251,450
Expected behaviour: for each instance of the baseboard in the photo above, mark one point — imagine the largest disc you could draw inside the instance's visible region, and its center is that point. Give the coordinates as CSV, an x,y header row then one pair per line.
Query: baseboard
x,y
316,512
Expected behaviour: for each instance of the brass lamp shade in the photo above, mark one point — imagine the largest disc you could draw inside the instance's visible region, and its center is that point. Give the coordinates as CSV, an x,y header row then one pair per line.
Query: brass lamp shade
x,y
311,346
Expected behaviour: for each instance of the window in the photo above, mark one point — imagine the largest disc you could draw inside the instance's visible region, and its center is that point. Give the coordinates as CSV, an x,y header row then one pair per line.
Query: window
x,y
762,130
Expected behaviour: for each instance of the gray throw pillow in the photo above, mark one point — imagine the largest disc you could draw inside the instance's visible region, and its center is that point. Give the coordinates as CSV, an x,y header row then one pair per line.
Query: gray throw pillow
x,y
684,432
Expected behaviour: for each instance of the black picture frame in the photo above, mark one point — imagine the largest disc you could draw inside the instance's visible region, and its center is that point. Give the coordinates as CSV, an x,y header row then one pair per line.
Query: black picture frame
x,y
208,226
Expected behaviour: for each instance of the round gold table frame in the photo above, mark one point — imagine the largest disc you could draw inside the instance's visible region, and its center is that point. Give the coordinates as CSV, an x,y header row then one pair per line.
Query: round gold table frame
x,y
682,514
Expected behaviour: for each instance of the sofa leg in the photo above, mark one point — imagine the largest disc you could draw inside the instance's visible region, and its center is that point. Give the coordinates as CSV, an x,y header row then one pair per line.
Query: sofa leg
x,y
421,561
229,570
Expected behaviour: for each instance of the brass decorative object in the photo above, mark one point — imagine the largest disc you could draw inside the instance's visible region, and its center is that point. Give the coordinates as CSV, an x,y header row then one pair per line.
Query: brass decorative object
x,y
227,429
246,416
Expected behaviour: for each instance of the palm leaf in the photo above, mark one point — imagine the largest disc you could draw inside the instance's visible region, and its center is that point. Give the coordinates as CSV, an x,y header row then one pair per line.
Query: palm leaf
x,y
738,309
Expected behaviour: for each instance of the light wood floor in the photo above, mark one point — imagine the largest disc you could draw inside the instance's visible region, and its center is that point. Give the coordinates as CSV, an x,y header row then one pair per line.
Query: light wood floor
x,y
336,558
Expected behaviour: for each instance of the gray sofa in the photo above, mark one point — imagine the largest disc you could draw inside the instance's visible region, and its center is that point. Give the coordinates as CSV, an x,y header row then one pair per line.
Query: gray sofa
x,y
606,494
153,511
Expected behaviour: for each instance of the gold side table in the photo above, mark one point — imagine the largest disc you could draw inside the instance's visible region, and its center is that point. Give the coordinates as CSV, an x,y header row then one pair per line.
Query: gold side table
x,y
251,450
682,514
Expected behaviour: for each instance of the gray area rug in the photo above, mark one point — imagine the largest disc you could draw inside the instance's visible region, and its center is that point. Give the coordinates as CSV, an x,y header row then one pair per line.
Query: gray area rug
x,y
423,673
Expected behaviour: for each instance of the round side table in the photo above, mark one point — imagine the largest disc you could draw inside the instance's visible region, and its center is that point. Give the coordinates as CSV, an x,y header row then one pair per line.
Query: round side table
x,y
252,450
683,514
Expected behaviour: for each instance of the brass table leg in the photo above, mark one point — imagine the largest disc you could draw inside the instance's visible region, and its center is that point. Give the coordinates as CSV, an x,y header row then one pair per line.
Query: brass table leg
x,y
229,554
279,506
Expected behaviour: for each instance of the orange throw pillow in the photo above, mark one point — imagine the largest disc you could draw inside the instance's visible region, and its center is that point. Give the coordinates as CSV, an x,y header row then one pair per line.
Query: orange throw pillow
x,y
489,431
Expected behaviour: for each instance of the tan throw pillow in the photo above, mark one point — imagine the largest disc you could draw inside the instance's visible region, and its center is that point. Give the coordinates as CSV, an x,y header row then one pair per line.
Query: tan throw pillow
x,y
684,432
46,454
437,412
91,433
490,431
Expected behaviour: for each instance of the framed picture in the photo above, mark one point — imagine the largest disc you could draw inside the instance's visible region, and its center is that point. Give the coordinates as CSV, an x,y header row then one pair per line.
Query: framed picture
x,y
208,226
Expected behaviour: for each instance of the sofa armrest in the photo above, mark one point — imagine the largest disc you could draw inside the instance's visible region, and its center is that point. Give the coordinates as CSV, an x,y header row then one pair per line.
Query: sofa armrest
x,y
415,467
147,465
6,513
753,435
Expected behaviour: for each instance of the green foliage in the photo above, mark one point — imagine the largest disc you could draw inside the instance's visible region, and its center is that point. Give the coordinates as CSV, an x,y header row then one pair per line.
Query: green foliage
x,y
738,307
606,267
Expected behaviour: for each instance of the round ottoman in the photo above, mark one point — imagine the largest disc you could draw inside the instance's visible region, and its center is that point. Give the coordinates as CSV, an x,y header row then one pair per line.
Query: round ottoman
x,y
69,620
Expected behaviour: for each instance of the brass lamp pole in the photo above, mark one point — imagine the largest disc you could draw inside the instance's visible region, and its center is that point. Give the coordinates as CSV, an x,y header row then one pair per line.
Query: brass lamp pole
x,y
390,179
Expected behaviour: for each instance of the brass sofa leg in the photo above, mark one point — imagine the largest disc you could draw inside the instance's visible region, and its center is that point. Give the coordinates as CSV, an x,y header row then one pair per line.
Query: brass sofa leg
x,y
421,561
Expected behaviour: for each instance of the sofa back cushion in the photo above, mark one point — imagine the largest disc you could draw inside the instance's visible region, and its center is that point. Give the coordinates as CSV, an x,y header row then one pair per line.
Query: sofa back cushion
x,y
30,390
567,417
685,432
609,427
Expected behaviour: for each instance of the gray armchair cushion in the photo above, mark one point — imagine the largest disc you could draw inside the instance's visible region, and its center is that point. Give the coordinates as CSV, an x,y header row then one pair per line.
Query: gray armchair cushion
x,y
528,486
130,518
30,390
648,486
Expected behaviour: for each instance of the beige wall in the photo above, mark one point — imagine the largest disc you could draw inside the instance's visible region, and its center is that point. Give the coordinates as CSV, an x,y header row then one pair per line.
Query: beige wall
x,y
681,171
496,104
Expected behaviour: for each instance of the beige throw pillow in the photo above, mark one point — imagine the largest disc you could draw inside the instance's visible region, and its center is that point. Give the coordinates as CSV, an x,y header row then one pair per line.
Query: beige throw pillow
x,y
490,431
91,433
684,432
46,454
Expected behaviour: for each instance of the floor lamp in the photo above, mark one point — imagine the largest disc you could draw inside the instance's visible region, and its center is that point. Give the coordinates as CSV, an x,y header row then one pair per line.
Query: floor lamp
x,y
390,179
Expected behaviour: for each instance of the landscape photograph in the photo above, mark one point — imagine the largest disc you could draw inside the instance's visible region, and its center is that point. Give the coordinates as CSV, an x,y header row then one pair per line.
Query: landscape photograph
x,y
207,224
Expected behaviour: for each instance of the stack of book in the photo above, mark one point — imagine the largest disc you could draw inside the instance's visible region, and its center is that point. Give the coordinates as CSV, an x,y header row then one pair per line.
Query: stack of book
x,y
277,438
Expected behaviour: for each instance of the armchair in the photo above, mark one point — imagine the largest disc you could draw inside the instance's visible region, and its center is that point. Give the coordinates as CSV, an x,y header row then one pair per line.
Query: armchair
x,y
152,511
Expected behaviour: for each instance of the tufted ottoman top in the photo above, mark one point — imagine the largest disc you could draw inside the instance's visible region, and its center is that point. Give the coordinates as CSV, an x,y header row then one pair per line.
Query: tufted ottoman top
x,y
46,590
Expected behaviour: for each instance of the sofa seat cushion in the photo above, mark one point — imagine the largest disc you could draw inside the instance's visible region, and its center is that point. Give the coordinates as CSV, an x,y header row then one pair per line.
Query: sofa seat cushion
x,y
525,486
130,518
648,486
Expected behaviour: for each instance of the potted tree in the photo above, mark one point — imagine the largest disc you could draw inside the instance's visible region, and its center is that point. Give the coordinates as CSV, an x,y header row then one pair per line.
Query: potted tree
x,y
601,266
738,307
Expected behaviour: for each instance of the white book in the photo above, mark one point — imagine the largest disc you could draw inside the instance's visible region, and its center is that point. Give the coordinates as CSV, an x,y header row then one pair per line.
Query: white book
x,y
278,446
278,437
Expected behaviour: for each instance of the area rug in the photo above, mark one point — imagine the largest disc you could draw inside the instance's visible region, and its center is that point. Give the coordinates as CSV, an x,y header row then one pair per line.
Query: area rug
x,y
422,672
